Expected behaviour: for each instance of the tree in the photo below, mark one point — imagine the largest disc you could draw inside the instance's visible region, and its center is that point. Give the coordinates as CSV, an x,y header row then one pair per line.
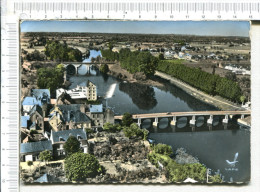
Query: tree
x,y
109,127
50,78
110,45
61,52
161,56
127,119
242,99
133,131
163,149
80,166
71,146
209,83
104,68
29,163
231,76
45,156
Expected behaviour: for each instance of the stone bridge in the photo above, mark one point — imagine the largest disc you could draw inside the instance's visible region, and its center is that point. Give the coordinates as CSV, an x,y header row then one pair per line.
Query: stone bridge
x,y
73,67
192,117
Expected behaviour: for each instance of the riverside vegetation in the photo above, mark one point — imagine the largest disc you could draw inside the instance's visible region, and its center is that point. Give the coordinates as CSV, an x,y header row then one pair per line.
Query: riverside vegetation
x,y
133,61
209,83
144,62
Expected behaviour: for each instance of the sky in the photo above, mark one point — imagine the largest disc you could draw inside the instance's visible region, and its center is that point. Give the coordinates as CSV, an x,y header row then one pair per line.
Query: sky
x,y
205,28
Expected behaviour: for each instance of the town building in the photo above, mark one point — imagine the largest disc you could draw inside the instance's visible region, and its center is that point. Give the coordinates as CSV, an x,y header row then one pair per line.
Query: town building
x,y
25,121
43,95
59,138
88,92
28,104
36,119
30,151
39,97
99,115
64,117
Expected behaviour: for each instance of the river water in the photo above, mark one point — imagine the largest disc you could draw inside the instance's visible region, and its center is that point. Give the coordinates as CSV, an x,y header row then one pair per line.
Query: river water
x,y
214,146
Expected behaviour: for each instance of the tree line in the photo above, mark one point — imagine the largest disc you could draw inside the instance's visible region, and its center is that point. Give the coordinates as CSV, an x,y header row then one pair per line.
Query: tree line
x,y
57,51
209,83
133,62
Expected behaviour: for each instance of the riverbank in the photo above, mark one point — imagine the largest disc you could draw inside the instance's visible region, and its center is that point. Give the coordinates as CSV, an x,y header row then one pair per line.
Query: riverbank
x,y
217,101
115,70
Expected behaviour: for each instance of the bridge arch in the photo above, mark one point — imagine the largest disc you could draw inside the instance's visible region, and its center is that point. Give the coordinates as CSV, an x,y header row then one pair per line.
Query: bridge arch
x,y
147,123
200,120
71,69
182,122
163,123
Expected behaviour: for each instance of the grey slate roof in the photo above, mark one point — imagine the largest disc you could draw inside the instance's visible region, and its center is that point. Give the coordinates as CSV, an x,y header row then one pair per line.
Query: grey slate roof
x,y
64,135
96,108
36,108
72,113
36,146
31,101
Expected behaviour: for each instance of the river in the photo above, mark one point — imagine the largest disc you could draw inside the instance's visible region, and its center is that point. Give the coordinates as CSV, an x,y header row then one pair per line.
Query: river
x,y
213,148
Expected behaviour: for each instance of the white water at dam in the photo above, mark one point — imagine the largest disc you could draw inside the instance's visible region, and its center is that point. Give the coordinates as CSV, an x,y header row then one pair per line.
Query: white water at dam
x,y
111,91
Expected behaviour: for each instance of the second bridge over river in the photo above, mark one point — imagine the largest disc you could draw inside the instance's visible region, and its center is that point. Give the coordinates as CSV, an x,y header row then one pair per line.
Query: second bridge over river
x,y
173,117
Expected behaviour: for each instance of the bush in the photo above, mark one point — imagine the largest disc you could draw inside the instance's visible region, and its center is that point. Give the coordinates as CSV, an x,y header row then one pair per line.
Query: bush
x,y
80,166
45,155
29,163
109,127
134,131
163,149
178,172
33,132
89,130
215,179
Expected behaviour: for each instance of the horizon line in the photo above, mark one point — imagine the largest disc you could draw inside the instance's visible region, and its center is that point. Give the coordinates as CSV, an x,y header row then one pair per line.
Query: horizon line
x,y
137,33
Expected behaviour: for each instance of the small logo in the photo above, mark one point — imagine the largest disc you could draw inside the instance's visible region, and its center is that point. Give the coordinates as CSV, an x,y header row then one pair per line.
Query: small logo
x,y
233,163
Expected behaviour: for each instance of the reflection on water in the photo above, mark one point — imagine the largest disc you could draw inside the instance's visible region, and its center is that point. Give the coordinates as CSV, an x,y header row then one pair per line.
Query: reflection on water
x,y
142,95
136,98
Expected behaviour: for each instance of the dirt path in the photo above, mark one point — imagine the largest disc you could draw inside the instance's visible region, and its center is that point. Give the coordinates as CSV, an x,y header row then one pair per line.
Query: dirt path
x,y
213,100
